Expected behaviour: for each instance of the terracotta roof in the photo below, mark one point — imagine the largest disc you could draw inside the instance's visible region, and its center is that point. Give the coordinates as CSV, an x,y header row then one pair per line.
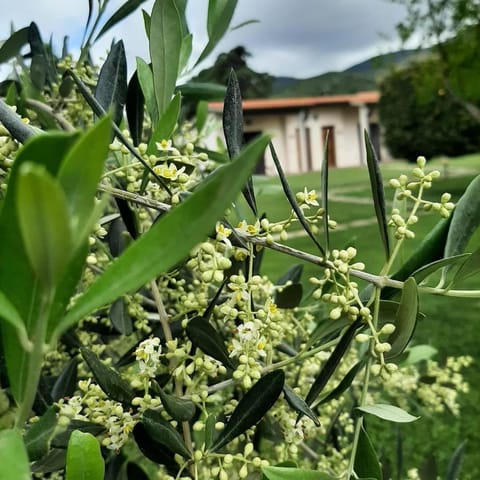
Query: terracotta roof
x,y
299,102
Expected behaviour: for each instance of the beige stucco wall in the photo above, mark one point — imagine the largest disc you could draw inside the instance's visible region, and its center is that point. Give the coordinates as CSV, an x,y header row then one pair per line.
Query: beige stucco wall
x,y
288,130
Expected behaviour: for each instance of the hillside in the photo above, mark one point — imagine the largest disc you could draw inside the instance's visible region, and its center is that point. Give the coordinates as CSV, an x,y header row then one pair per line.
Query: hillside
x,y
359,77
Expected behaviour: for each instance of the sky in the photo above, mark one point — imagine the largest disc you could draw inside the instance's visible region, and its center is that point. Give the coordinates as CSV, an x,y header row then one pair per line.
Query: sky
x,y
296,38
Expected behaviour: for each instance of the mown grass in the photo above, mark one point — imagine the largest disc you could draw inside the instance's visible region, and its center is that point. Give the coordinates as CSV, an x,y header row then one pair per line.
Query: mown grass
x,y
451,325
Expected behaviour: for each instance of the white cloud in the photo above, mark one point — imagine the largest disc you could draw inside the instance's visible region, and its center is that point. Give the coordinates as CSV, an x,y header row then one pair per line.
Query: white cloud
x,y
301,38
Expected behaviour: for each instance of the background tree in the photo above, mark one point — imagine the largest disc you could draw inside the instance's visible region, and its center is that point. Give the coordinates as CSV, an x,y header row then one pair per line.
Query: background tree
x,y
252,84
420,116
453,28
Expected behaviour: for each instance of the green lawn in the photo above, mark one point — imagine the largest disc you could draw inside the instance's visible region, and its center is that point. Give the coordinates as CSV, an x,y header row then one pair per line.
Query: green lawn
x,y
452,325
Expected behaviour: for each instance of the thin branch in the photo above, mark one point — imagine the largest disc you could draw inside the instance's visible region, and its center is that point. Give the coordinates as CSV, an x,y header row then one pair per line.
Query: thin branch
x,y
13,123
37,105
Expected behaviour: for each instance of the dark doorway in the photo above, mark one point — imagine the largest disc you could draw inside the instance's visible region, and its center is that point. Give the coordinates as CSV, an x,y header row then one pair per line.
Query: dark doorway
x,y
332,162
260,166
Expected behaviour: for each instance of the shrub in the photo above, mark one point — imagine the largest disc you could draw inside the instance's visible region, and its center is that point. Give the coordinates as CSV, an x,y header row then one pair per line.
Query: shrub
x,y
419,116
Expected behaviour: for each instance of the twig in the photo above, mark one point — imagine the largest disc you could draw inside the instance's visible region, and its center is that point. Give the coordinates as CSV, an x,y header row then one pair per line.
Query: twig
x,y
37,105
13,123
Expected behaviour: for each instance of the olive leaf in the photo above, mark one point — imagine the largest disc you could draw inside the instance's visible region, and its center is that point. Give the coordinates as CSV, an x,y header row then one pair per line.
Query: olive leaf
x,y
66,382
406,319
162,432
378,193
292,473
13,456
233,131
111,90
39,435
135,108
292,200
109,379
299,405
180,409
332,363
84,458
366,459
204,336
388,412
252,407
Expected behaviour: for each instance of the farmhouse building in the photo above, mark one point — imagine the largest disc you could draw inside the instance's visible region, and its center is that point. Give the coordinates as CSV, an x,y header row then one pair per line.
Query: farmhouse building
x,y
299,127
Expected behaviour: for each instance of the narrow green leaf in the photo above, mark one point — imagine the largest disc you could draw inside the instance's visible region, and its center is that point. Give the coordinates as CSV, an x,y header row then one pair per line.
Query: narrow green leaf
x,y
52,462
293,275
135,108
344,383
66,87
455,463
80,174
252,407
39,435
233,116
292,200
66,382
289,296
366,459
220,13
326,228
233,130
84,458
210,430
465,219
166,125
17,279
332,363
326,329
204,336
202,91
120,318
287,473
89,19
378,193
388,412
124,11
14,44
165,244
418,353
185,53
201,115
44,223
406,319
109,379
145,78
13,456
470,267
162,432
41,57
146,22
427,270
178,408
154,450
9,313
111,89
165,47
244,24
299,405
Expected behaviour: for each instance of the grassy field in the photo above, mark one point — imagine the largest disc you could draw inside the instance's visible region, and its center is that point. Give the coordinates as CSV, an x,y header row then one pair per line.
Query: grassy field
x,y
452,325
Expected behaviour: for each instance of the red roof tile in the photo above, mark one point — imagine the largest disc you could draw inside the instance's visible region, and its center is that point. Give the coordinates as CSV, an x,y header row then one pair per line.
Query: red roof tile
x,y
299,102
